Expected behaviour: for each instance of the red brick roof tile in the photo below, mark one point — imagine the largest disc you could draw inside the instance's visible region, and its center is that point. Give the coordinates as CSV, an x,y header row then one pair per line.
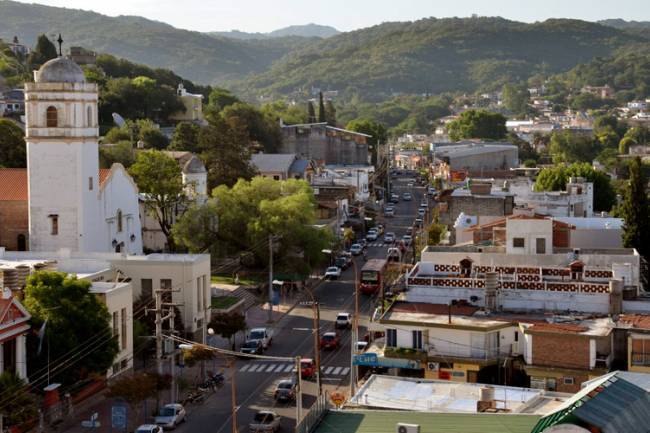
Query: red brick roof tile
x,y
640,321
558,328
103,175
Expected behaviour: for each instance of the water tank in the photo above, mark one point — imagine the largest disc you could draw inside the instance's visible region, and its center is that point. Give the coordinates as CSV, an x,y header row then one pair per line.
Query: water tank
x,y
486,394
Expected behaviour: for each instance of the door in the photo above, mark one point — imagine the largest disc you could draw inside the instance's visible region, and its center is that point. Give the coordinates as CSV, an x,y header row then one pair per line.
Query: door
x,y
540,245
472,376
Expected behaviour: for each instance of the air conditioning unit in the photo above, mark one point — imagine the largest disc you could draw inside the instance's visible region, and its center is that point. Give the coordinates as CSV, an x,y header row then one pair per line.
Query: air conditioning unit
x,y
433,366
407,428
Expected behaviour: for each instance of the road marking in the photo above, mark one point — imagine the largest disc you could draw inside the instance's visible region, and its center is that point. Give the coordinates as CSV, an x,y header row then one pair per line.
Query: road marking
x,y
345,371
288,368
245,367
328,370
336,370
279,369
270,368
255,367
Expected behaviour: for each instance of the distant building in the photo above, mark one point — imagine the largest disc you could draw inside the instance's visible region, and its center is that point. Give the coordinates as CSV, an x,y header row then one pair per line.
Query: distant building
x,y
193,107
477,158
325,144
17,48
356,178
603,92
282,166
82,56
13,102
478,200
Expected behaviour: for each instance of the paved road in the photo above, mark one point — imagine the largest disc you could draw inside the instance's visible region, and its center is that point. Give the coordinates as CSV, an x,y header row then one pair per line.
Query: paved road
x,y
255,380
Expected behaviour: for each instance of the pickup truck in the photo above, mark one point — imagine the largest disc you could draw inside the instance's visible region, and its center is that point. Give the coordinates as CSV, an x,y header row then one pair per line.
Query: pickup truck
x,y
265,421
264,335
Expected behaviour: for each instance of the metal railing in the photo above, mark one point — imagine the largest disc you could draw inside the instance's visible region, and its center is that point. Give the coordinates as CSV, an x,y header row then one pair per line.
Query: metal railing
x,y
316,412
471,352
641,358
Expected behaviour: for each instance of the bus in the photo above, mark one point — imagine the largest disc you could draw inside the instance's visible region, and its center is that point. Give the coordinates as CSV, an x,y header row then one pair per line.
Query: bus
x,y
372,276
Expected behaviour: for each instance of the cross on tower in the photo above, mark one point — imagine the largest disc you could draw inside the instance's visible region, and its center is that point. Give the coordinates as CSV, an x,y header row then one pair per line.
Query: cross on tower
x,y
60,41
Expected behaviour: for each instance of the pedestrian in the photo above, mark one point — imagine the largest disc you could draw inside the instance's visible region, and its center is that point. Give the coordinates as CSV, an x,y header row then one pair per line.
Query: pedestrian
x,y
237,278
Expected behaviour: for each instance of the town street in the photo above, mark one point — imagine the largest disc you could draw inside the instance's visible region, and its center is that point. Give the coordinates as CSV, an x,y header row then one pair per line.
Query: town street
x,y
256,380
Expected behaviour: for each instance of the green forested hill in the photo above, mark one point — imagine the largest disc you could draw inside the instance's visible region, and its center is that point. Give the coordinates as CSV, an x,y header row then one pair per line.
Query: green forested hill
x,y
194,55
307,30
437,55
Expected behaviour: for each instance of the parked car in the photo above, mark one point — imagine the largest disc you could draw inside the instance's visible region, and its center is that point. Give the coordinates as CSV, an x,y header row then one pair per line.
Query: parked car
x,y
149,428
170,416
389,238
409,230
307,368
264,335
265,421
252,347
410,184
417,222
394,198
333,273
422,211
363,242
330,340
356,249
342,262
371,235
343,320
407,196
407,239
285,390
389,211
394,255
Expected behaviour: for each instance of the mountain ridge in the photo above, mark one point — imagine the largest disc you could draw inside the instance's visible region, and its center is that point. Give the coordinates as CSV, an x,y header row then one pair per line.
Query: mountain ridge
x,y
310,30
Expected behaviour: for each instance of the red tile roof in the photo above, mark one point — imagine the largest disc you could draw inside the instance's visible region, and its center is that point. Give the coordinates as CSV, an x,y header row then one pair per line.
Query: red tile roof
x,y
415,307
501,222
13,184
558,328
639,321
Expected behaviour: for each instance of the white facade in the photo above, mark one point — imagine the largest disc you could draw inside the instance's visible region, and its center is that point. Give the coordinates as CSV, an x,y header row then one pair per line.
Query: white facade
x,y
68,207
529,236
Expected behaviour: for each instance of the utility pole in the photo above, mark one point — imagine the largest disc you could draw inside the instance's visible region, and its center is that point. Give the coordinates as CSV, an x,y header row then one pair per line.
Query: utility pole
x,y
172,359
233,394
299,397
355,332
159,336
316,308
270,278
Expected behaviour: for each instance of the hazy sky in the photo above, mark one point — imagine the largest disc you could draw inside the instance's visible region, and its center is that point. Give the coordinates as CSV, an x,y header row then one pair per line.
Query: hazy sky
x,y
267,15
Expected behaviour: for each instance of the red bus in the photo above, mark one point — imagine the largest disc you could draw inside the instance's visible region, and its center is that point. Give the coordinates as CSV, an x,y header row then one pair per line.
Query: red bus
x,y
371,279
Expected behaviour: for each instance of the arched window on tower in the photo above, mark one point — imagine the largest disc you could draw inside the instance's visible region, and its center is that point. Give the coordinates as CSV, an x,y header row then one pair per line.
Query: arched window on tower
x,y
119,221
52,117
89,117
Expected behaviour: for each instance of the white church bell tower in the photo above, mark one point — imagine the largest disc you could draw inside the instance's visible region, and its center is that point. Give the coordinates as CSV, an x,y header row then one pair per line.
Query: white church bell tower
x,y
62,159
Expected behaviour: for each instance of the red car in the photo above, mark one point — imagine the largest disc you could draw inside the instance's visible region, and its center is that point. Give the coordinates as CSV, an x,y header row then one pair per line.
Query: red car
x,y
307,368
330,340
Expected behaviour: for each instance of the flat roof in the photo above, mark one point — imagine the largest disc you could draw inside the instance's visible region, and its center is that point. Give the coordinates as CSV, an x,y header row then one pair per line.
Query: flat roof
x,y
162,258
366,421
444,396
427,315
107,287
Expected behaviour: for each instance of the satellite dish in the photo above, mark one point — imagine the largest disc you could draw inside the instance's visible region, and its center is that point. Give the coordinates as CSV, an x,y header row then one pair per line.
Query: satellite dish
x,y
119,120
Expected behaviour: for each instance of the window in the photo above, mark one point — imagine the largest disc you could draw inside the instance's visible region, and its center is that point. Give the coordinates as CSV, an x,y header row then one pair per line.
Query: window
x,y
166,284
199,304
54,225
417,340
146,285
115,324
119,221
540,244
89,116
518,242
52,117
568,381
124,333
276,177
516,336
90,183
391,337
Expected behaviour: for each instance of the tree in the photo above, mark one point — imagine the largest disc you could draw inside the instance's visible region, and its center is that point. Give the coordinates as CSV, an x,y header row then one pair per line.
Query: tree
x,y
74,317
478,124
121,152
281,111
321,108
197,354
625,144
186,137
226,151
134,389
607,137
635,211
526,150
159,177
568,147
150,135
435,233
556,178
376,130
228,324
197,229
221,98
261,129
17,404
12,145
311,114
42,52
330,113
515,98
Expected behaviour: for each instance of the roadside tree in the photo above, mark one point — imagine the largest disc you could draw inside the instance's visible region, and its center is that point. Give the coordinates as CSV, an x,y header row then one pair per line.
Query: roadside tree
x,y
12,145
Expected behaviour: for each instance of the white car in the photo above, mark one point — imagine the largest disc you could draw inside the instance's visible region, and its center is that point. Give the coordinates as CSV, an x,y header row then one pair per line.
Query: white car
x,y
362,346
170,416
421,212
333,272
263,335
389,211
407,196
371,235
407,239
389,238
418,222
356,249
149,428
343,320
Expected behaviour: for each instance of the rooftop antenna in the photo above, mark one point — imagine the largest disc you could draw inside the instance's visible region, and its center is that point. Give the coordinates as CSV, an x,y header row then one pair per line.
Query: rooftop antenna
x,y
60,41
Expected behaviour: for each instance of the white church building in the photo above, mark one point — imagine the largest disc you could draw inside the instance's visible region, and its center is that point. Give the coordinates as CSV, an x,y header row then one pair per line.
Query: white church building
x,y
71,204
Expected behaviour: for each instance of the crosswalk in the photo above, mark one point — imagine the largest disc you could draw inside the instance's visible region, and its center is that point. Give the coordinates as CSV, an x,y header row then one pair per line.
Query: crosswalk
x,y
288,368
378,244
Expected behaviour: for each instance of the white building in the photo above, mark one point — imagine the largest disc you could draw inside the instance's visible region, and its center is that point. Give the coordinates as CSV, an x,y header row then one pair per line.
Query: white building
x,y
356,176
68,208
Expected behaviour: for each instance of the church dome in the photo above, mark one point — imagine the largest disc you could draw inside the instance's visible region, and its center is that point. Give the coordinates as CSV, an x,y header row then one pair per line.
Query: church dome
x,y
60,70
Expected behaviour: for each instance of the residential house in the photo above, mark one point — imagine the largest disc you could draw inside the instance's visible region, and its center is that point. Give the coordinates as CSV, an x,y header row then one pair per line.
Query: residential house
x,y
357,178
14,326
637,341
325,144
577,200
603,92
20,50
281,166
409,159
479,199
13,102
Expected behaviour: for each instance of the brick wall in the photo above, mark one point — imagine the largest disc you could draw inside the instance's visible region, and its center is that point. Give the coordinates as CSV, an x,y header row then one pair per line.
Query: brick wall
x,y
577,382
13,222
483,205
561,351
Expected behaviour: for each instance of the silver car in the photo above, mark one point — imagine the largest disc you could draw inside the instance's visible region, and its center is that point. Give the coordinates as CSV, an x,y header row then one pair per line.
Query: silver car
x,y
171,415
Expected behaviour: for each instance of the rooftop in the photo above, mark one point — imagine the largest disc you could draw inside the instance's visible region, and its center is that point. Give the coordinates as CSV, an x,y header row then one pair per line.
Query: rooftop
x,y
442,396
383,421
437,315
273,162
60,70
106,287
13,183
592,327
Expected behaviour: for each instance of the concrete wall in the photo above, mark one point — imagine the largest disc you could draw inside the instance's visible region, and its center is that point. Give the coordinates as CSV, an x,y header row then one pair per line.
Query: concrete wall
x,y
530,231
314,142
596,238
119,193
479,205
500,160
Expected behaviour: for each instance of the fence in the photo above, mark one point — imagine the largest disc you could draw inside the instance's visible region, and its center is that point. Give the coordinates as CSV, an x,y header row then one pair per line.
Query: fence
x,y
313,417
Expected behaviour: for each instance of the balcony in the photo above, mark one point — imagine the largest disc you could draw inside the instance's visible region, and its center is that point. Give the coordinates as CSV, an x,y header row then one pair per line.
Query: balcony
x,y
473,353
405,353
641,359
